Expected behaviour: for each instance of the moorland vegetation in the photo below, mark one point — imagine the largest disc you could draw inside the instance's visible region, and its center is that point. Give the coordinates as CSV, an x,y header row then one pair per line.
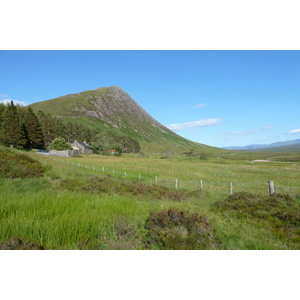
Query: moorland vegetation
x,y
72,207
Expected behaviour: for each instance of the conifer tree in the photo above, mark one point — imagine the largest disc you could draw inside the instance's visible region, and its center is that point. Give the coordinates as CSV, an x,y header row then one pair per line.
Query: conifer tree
x,y
33,130
70,132
2,109
48,129
60,128
11,130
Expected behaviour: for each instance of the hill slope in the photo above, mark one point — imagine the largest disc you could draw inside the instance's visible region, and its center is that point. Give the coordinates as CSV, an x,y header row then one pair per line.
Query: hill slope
x,y
265,146
111,107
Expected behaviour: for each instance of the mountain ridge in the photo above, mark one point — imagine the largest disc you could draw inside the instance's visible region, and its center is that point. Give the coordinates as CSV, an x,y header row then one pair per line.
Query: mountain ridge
x,y
112,107
261,146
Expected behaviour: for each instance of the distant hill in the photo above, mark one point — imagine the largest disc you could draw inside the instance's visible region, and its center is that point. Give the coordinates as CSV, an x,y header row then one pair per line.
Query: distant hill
x,y
279,145
111,107
288,148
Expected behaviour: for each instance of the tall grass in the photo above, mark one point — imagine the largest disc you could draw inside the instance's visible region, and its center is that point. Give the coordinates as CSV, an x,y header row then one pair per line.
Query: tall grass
x,y
41,210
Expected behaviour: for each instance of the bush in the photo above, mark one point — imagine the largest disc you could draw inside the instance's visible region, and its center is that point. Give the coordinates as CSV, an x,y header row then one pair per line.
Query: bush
x,y
179,230
126,236
279,211
258,206
17,244
108,185
19,166
60,144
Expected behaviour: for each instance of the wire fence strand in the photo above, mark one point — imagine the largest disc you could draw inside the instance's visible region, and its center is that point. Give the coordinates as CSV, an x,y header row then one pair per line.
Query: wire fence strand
x,y
209,185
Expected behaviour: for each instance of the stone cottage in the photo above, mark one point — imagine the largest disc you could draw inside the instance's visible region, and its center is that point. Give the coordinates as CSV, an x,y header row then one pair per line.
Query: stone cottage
x,y
83,148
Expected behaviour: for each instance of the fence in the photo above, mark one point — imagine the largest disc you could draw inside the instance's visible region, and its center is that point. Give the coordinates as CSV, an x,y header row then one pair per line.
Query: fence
x,y
208,185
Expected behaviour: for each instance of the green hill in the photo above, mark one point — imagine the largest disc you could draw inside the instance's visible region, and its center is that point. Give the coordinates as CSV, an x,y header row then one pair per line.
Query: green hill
x,y
111,108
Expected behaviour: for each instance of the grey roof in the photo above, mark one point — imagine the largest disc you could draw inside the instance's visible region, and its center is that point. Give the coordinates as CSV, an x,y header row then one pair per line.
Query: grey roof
x,y
85,145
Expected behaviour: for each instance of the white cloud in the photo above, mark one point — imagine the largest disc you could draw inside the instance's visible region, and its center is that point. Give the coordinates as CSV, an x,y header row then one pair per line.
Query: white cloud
x,y
260,138
267,127
294,131
199,123
5,101
237,133
200,105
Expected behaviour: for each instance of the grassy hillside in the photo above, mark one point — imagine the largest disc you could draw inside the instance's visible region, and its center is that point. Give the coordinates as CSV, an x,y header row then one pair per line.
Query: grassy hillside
x,y
112,108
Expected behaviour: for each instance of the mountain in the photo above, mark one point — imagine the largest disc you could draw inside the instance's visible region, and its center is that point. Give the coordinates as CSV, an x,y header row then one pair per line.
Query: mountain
x,y
287,148
261,146
112,108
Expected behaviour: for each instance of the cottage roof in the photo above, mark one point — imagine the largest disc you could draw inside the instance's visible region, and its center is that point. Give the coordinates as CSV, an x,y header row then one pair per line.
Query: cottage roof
x,y
85,145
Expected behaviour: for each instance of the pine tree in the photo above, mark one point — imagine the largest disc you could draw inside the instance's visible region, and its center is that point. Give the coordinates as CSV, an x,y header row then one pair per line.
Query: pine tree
x,y
60,128
33,130
2,109
11,131
70,132
48,129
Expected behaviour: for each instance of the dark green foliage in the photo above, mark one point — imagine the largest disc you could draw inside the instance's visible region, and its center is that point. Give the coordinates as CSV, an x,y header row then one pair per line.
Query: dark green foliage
x,y
179,230
69,184
19,166
33,130
73,131
60,128
110,140
11,129
108,185
280,211
256,205
2,109
193,153
17,244
48,129
60,144
203,156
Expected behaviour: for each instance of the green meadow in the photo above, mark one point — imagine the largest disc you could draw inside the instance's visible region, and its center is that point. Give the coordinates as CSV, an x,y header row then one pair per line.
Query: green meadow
x,y
66,209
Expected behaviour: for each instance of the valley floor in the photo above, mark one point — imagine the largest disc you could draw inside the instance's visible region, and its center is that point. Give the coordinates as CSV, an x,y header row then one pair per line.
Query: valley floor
x,y
62,211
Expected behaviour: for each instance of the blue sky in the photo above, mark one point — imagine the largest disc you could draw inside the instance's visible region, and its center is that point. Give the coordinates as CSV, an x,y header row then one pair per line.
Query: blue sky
x,y
219,98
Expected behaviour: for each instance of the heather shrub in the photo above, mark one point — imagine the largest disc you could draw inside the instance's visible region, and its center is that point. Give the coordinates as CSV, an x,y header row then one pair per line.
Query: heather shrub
x,y
126,236
69,184
107,184
280,211
19,165
179,230
100,184
16,243
259,206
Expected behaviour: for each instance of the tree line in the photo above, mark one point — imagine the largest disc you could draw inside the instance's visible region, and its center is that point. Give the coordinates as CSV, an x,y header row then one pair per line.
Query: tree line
x,y
21,127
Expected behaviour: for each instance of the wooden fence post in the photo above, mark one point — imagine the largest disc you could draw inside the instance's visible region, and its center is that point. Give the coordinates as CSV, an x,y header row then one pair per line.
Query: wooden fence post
x,y
271,187
231,188
155,179
201,185
139,177
176,184
102,169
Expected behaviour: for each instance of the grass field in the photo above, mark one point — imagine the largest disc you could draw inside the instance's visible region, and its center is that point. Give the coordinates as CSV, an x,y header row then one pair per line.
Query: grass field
x,y
55,213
